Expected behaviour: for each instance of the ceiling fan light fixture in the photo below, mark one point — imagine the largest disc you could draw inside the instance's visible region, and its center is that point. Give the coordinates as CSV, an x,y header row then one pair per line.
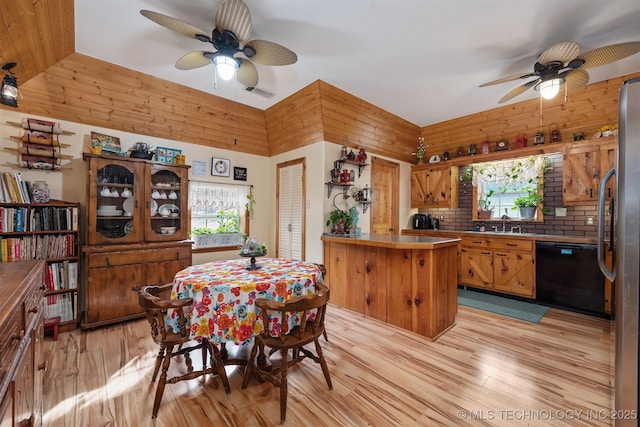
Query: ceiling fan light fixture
x,y
225,66
9,88
549,88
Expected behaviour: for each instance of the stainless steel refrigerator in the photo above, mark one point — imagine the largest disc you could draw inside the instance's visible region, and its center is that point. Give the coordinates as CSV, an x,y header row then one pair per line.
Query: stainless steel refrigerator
x,y
625,237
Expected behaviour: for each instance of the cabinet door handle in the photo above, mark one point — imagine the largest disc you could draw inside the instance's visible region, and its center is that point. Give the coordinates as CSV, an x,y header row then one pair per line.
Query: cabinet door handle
x,y
417,302
107,261
591,193
409,302
485,253
33,309
501,254
421,262
44,366
42,288
18,335
477,242
368,269
368,300
405,255
512,244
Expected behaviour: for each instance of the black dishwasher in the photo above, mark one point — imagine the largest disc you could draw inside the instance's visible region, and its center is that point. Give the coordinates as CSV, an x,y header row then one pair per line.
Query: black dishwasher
x,y
568,276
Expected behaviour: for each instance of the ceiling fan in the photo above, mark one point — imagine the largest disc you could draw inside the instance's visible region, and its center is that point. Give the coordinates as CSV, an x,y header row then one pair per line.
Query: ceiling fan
x,y
232,29
563,64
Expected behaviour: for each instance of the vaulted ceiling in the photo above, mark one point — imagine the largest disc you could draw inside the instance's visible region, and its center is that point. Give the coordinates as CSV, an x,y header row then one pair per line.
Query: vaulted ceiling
x,y
100,62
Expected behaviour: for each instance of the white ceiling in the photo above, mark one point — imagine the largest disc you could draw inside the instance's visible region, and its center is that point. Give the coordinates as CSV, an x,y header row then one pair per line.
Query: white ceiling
x,y
421,60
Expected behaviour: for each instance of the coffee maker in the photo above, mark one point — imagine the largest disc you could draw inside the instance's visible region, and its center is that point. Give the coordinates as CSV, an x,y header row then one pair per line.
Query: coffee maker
x,y
422,222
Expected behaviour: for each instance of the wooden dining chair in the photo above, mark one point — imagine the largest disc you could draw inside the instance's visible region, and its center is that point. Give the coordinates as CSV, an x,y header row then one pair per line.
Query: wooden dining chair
x,y
157,304
309,330
323,271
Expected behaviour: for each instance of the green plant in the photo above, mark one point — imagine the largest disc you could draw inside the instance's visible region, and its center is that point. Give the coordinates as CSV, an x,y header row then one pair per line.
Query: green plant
x,y
530,199
250,203
484,203
229,222
338,216
202,230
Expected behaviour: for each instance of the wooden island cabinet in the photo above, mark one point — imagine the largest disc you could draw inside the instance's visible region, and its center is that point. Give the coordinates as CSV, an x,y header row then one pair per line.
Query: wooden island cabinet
x,y
407,281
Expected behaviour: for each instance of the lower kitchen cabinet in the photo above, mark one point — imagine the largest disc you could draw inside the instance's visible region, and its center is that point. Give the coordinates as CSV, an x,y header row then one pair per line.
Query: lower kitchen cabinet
x,y
501,265
115,273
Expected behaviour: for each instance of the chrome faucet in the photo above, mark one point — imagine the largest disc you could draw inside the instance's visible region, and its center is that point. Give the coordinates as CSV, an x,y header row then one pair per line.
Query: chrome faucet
x,y
517,227
504,226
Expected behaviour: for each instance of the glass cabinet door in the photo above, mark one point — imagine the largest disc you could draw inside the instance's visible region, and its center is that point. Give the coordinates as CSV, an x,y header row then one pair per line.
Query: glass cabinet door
x,y
115,215
167,192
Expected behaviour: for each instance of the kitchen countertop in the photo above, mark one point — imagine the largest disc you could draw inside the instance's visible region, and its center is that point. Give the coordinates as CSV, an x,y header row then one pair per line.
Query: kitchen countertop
x,y
394,241
508,235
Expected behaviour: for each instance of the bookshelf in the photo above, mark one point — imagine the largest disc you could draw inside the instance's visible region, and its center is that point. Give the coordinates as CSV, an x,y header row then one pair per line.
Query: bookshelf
x,y
48,231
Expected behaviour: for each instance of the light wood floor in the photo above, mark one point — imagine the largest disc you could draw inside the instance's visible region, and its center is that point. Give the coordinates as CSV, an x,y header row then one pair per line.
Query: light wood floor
x,y
487,370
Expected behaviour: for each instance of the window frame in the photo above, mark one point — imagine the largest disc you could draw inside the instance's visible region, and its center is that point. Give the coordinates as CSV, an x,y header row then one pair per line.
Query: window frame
x,y
245,217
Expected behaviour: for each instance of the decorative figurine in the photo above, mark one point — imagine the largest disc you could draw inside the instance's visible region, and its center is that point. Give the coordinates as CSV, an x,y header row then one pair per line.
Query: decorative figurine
x,y
343,153
539,138
362,156
554,133
521,141
445,155
485,147
472,150
420,151
351,156
460,152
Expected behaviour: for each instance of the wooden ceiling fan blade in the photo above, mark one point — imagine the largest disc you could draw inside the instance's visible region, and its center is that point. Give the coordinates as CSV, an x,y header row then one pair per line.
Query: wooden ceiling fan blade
x,y
247,74
561,52
234,15
576,78
269,53
175,25
193,60
608,54
518,90
508,79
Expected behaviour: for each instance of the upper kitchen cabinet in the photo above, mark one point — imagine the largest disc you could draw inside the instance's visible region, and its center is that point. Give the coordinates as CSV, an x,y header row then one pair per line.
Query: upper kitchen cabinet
x,y
133,200
583,167
434,186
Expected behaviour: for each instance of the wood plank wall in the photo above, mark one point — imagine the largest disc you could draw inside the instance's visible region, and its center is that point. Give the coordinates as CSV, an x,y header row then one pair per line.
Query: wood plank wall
x,y
86,90
322,112
586,110
58,83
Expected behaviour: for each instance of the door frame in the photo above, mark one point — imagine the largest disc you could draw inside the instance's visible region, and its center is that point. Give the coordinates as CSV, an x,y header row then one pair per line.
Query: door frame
x,y
283,165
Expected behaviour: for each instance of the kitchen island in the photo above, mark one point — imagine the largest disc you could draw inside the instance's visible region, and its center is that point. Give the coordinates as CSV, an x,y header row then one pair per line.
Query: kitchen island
x,y
407,281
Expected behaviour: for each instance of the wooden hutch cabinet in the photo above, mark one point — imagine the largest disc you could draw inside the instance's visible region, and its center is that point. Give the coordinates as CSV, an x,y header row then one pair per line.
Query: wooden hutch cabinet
x,y
137,223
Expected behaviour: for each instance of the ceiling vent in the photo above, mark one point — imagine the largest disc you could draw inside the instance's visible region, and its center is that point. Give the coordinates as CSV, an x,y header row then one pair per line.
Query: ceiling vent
x,y
258,91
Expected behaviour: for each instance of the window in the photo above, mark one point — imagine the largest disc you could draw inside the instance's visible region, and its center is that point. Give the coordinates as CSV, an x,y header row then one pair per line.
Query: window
x,y
218,214
501,186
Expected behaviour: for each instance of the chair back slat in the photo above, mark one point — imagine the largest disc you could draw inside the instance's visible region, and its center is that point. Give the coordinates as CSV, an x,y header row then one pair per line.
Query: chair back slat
x,y
156,302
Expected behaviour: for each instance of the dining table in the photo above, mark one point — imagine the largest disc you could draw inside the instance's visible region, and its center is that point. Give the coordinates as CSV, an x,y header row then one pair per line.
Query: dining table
x,y
224,294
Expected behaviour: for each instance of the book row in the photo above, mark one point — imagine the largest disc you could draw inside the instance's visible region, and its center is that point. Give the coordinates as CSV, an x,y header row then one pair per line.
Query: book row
x,y
41,246
38,218
63,305
61,275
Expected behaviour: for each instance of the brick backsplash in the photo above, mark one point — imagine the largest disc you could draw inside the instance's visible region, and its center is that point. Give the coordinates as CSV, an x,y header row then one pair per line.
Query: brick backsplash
x,y
573,224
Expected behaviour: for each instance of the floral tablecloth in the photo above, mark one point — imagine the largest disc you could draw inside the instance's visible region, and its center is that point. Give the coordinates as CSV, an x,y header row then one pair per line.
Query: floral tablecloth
x,y
224,294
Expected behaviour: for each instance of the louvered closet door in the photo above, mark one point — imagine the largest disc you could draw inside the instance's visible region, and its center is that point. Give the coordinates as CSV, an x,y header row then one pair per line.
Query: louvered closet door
x,y
291,210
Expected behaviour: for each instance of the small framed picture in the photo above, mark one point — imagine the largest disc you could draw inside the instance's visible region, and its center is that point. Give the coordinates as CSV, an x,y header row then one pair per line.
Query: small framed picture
x,y
239,174
220,167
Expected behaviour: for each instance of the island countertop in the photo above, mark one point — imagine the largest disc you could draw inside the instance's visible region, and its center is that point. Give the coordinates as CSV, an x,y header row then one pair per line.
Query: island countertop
x,y
392,241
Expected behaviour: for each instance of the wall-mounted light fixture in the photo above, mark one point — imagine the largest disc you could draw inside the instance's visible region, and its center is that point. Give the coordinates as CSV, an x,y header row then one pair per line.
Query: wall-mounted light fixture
x,y
9,89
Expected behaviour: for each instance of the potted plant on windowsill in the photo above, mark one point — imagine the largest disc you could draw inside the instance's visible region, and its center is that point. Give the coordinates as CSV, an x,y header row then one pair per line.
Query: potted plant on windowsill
x,y
528,203
485,208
